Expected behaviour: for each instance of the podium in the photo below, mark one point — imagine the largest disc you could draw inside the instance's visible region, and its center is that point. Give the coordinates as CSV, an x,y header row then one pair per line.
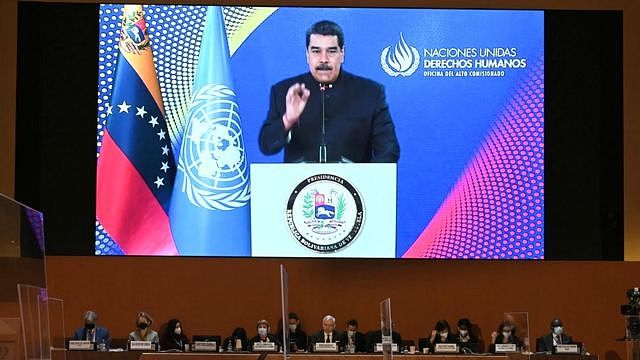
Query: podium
x,y
323,210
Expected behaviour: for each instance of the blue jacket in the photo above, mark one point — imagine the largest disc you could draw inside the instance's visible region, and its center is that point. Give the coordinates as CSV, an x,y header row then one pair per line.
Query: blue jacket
x,y
102,334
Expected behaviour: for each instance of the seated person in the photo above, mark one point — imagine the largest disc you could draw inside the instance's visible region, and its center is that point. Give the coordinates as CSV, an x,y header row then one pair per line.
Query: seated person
x,y
264,335
328,334
465,337
143,330
238,333
546,343
441,333
505,334
375,337
352,338
297,337
90,331
174,338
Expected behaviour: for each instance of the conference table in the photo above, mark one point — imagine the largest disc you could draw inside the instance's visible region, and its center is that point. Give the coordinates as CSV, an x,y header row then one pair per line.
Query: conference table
x,y
138,355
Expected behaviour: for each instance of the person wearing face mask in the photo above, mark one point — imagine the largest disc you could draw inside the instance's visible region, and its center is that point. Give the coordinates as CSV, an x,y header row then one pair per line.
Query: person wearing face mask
x,y
297,337
465,338
505,334
328,334
174,338
441,333
143,330
264,335
90,331
557,336
352,338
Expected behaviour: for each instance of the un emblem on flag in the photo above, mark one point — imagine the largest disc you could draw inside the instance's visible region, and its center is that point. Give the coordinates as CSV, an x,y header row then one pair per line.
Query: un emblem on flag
x,y
212,156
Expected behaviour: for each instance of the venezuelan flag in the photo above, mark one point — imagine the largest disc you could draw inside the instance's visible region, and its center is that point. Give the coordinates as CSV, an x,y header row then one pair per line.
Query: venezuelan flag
x,y
136,168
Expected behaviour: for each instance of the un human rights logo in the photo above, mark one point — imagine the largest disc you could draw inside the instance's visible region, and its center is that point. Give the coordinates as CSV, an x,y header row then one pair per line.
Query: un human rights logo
x,y
212,157
403,60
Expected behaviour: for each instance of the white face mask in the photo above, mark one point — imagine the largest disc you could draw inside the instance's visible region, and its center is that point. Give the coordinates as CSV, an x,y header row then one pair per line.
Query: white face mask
x,y
506,334
558,330
464,332
293,327
262,331
177,331
444,334
351,332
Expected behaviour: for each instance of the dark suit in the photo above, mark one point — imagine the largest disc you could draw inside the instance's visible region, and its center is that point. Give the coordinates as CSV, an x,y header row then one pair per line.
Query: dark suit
x,y
545,342
319,338
375,337
358,124
101,335
298,336
270,337
359,339
471,343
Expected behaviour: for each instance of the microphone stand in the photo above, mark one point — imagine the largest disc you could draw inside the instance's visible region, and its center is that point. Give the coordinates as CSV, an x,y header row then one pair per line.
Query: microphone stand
x,y
322,150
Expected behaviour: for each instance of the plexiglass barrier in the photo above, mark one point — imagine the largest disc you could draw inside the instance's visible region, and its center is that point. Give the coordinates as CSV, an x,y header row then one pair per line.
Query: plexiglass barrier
x,y
56,323
34,315
284,302
386,329
21,248
520,320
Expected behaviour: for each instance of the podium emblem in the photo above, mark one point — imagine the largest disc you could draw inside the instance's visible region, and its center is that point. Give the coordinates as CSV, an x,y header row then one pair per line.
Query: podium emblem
x,y
325,213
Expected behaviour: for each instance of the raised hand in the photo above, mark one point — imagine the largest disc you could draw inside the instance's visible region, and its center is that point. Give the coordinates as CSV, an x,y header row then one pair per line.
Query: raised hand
x,y
296,100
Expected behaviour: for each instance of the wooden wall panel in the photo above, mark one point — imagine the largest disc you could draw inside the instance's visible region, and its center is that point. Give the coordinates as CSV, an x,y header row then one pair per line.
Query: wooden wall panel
x,y
218,294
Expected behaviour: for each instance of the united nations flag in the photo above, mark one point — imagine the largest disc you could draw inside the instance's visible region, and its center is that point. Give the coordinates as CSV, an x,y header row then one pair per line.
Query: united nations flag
x,y
210,203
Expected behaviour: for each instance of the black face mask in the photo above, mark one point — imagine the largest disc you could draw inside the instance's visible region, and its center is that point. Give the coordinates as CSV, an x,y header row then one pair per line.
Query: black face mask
x,y
90,326
143,326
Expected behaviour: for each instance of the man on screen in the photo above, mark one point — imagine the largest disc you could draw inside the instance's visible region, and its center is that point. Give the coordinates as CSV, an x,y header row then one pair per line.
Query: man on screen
x,y
328,114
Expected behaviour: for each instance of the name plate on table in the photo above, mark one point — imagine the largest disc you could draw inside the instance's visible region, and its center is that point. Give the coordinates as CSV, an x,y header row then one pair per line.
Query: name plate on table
x,y
506,348
81,345
204,346
446,348
265,346
567,349
142,345
394,347
326,347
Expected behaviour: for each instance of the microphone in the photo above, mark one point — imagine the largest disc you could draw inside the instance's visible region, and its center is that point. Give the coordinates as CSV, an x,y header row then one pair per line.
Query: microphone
x,y
322,150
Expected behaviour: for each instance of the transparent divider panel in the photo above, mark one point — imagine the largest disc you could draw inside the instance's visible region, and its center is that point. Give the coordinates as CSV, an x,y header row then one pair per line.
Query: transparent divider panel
x,y
34,315
284,303
520,320
386,329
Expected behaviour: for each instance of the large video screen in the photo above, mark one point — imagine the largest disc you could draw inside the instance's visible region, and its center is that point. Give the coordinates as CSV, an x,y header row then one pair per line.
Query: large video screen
x,y
183,92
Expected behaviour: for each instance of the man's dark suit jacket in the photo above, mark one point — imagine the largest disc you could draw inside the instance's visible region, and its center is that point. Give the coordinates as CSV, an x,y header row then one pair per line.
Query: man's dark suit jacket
x,y
299,336
545,342
319,338
375,337
360,339
357,122
102,335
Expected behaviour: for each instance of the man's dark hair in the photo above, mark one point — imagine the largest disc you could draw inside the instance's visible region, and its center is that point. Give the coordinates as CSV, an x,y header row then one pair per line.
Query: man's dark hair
x,y
352,322
293,315
326,27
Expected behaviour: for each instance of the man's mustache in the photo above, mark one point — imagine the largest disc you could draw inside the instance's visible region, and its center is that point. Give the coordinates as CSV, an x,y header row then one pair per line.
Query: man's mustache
x,y
324,67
